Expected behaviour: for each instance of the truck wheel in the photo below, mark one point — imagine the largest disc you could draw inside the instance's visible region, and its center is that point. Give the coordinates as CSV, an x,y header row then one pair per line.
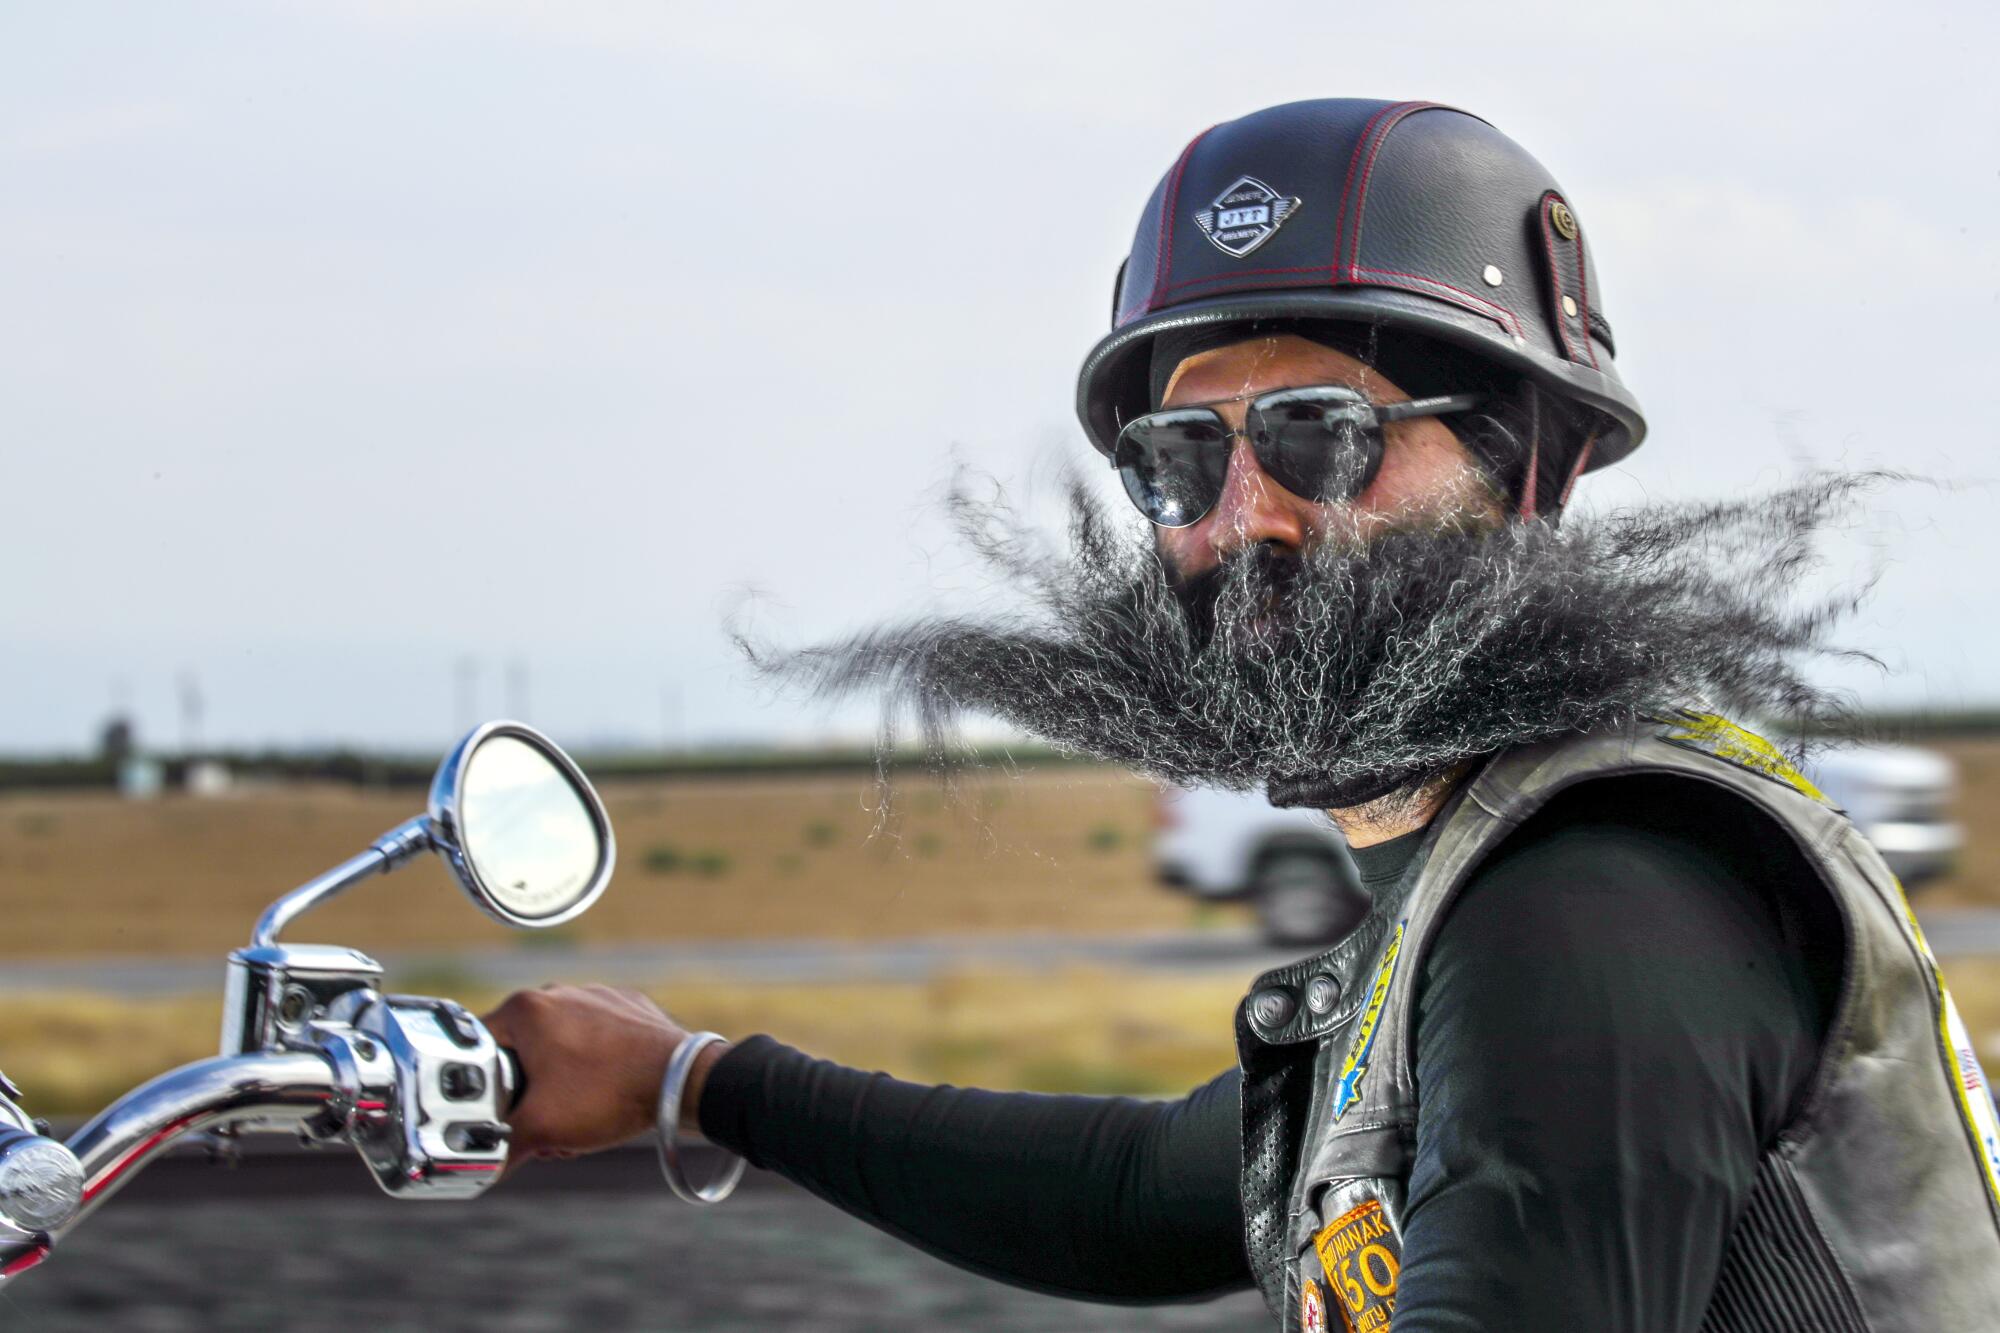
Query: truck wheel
x,y
1303,898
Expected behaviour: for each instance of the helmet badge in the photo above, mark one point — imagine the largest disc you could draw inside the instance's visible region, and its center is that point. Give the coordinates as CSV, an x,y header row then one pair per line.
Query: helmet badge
x,y
1244,216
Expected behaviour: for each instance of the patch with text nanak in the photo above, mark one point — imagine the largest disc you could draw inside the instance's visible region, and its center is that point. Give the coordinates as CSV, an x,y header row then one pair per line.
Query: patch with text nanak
x,y
1363,1257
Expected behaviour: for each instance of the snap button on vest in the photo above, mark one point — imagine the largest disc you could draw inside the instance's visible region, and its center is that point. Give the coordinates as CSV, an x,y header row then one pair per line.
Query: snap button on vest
x,y
1271,1009
1321,992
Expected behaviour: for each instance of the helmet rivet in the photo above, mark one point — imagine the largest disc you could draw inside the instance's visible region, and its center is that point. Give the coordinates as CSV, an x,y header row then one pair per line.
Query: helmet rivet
x,y
1519,341
1564,220
1569,306
1493,276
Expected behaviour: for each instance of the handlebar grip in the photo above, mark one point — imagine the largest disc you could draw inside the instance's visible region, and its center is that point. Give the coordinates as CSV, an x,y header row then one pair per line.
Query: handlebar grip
x,y
515,1076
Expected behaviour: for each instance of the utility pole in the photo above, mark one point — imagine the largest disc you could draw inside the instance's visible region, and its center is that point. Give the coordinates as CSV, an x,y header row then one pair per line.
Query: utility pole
x,y
672,736
465,686
517,689
191,713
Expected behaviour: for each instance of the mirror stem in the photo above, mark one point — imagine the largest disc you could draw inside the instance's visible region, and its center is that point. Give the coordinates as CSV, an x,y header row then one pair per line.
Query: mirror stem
x,y
387,852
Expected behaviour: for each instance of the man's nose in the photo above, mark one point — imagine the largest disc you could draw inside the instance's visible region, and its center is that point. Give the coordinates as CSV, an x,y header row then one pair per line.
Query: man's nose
x,y
1253,509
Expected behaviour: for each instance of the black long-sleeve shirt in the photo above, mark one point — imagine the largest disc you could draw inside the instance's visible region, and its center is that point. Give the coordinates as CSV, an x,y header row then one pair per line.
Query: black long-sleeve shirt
x,y
1612,1022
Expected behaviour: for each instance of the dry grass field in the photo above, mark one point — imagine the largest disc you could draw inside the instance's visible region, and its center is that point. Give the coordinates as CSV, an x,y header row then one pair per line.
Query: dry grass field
x,y
1079,1030
1060,848
1049,849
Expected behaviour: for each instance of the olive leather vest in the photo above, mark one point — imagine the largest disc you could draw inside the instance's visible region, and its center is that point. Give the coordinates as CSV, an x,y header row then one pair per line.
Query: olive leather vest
x,y
1876,1208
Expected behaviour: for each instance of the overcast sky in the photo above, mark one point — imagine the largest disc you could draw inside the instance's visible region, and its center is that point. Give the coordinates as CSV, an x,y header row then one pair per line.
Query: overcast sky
x,y
342,342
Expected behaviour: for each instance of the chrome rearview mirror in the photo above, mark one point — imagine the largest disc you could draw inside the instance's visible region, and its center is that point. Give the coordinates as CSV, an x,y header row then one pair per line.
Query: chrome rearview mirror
x,y
511,814
520,826
418,1085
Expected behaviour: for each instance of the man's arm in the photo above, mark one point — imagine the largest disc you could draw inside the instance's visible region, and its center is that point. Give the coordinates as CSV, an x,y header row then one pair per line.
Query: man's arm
x,y
1099,1198
1614,1021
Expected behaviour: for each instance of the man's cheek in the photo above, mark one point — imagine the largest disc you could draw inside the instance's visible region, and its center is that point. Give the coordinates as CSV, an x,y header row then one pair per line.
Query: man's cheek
x,y
1183,556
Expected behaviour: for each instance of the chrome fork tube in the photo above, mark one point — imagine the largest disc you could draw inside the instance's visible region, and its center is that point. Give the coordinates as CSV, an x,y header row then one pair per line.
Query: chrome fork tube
x,y
274,1092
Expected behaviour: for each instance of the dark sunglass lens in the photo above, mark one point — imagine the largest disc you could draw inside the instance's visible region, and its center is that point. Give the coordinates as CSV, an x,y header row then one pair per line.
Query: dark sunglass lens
x,y
1173,465
1319,444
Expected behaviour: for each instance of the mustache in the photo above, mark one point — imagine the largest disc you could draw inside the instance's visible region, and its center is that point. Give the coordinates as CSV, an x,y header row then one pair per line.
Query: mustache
x,y
1364,667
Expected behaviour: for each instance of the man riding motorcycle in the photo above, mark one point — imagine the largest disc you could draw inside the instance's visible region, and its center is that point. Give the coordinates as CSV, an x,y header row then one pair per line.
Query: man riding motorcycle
x,y
1635,1033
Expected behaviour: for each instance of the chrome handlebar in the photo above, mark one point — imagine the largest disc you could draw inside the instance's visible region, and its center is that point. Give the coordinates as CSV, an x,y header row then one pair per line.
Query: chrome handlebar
x,y
416,1085
278,1091
47,1187
311,1046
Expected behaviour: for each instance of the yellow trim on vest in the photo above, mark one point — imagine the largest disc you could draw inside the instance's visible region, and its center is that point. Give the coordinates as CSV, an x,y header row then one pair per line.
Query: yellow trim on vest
x,y
1983,1129
1724,740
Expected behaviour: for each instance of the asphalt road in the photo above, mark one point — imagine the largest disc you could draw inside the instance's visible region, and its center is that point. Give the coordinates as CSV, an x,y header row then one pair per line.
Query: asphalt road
x,y
1951,933
304,1243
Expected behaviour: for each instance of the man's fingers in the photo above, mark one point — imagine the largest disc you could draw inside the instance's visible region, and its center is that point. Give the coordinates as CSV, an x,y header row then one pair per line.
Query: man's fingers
x,y
516,1159
510,1026
590,1059
501,1028
524,1123
512,1013
524,1012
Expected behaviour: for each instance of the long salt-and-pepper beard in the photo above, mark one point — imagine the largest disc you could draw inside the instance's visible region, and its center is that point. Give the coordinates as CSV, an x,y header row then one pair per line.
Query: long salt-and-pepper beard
x,y
1368,665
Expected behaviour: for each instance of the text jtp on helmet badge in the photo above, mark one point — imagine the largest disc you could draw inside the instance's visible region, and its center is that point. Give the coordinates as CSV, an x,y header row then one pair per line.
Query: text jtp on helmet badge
x,y
1244,216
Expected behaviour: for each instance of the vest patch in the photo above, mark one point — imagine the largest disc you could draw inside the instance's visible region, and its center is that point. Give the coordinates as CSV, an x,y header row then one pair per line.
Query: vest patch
x,y
1719,738
1363,1258
1975,1097
1974,1094
1347,1089
1312,1308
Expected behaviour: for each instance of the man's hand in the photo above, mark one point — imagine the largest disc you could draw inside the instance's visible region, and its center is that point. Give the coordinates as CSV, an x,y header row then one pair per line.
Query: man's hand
x,y
593,1058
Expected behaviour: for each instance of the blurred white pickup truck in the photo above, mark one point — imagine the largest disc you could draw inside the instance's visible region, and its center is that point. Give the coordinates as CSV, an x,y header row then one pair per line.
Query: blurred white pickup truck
x,y
1293,866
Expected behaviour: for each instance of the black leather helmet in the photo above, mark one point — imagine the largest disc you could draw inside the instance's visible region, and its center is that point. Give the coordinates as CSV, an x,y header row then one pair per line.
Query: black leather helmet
x,y
1409,216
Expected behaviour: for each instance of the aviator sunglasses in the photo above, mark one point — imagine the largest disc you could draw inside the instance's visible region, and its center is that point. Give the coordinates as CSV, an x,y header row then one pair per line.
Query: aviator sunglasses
x,y
1321,443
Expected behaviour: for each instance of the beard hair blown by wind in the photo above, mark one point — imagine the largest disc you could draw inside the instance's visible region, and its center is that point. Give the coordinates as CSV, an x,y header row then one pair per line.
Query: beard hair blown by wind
x,y
1364,668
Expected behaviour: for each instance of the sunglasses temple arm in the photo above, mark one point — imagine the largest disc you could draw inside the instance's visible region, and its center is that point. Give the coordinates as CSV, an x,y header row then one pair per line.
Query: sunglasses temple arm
x,y
1429,407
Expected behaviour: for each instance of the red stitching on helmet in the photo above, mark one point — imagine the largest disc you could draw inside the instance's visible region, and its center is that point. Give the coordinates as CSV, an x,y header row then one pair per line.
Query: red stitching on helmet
x,y
1499,314
1502,315
1163,259
1583,294
1347,183
1234,274
1569,342
1402,109
1547,229
1576,470
1531,486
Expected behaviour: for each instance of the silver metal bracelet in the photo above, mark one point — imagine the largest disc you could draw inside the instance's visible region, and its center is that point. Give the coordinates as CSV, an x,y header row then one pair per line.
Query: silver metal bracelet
x,y
668,1127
